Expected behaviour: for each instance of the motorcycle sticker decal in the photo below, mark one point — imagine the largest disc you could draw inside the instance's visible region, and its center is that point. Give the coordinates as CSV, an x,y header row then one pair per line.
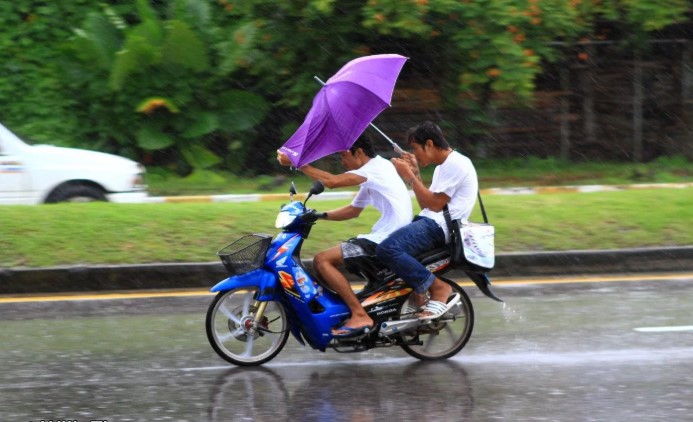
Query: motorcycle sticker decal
x,y
305,284
438,265
387,311
288,283
282,249
383,296
285,247
281,263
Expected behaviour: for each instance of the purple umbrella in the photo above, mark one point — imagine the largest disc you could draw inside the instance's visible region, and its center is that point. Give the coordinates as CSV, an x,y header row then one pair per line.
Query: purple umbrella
x,y
344,107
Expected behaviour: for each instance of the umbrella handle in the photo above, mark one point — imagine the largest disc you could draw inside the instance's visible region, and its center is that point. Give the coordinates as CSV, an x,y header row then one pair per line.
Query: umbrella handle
x,y
396,147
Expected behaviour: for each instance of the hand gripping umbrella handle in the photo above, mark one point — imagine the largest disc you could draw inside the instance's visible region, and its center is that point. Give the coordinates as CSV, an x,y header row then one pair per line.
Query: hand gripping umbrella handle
x,y
396,147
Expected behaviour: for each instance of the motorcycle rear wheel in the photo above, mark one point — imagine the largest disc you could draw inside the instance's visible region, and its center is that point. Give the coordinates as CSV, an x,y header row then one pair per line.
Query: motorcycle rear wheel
x,y
445,337
235,333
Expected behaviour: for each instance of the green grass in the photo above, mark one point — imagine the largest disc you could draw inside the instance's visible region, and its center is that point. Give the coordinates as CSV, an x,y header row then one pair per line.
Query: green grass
x,y
492,173
103,233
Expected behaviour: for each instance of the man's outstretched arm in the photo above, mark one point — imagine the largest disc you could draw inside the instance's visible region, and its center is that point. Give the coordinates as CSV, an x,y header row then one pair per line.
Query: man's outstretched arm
x,y
330,180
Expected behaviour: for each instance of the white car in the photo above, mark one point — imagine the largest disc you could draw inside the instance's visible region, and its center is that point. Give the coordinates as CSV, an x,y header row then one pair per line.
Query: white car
x,y
35,174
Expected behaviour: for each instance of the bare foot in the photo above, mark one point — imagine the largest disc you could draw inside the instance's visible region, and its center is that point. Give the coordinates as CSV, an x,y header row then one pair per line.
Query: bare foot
x,y
417,300
440,291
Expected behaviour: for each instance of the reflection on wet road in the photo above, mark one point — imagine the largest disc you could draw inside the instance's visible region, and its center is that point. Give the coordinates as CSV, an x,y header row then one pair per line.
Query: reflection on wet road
x,y
557,352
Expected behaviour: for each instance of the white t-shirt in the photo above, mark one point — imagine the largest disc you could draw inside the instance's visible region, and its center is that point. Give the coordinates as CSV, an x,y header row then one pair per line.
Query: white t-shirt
x,y
456,178
385,190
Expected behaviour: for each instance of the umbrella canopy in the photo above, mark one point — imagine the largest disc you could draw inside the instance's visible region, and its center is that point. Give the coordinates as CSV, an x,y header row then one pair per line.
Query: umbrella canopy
x,y
344,107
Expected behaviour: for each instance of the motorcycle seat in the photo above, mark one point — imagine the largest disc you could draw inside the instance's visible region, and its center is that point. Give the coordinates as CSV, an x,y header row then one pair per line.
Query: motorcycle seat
x,y
377,276
429,257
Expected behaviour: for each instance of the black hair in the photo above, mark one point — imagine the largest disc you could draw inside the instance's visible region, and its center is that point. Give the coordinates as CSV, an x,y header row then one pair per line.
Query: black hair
x,y
425,131
365,143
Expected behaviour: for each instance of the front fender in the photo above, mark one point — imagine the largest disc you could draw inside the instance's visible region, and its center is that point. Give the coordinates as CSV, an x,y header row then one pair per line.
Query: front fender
x,y
265,281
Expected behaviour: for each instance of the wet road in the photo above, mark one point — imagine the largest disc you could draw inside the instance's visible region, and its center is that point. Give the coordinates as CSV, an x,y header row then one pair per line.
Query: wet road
x,y
601,351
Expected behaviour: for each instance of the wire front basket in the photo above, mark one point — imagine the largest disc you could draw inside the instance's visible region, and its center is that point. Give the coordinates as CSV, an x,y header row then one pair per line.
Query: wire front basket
x,y
245,254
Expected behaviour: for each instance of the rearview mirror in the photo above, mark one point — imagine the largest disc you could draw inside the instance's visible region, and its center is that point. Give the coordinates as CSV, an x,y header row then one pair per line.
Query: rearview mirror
x,y
292,191
317,188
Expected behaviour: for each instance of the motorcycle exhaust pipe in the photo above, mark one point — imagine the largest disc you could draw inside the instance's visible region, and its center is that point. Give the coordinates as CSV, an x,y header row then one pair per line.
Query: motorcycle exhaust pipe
x,y
393,327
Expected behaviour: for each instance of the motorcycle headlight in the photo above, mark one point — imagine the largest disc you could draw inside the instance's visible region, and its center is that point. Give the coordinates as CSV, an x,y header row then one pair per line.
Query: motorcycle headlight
x,y
284,218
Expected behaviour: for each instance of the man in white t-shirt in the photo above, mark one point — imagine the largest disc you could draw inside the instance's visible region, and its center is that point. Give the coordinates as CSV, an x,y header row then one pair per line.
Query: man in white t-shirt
x,y
454,184
380,186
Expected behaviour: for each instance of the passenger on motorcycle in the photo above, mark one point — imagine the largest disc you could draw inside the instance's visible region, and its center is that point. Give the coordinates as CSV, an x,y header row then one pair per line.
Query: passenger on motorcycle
x,y
380,186
454,184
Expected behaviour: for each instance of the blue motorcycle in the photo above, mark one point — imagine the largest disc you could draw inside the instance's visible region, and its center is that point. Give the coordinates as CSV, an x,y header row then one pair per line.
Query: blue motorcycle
x,y
271,294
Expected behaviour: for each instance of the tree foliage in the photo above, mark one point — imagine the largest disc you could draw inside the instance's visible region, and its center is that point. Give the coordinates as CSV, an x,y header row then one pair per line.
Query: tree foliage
x,y
198,84
164,76
32,101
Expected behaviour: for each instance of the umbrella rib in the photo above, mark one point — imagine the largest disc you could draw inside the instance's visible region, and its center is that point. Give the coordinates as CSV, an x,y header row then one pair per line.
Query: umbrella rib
x,y
328,105
331,117
364,87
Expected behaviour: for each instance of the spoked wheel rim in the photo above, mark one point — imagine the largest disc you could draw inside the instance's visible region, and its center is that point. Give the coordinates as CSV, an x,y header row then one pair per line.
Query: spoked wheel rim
x,y
445,337
237,335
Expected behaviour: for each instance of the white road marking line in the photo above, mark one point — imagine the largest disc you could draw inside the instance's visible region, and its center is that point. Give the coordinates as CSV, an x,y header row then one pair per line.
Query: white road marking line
x,y
621,356
669,329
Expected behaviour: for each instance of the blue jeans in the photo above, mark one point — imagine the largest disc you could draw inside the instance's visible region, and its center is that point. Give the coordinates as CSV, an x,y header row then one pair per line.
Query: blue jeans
x,y
397,252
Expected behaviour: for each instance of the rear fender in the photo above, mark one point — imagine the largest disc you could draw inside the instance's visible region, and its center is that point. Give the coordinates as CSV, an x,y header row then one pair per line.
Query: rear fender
x,y
265,281
484,284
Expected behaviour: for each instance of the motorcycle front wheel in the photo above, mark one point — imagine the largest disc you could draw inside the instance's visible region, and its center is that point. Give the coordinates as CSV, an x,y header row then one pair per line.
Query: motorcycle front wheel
x,y
238,334
446,336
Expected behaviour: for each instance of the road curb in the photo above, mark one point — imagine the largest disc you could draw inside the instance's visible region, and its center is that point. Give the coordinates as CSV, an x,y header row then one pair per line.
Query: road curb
x,y
206,274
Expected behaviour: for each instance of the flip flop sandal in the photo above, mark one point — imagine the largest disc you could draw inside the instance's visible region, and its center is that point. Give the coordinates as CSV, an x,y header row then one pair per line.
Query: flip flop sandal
x,y
410,309
413,309
351,331
435,309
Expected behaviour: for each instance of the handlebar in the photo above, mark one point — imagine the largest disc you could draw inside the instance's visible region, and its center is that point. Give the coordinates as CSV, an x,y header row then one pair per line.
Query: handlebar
x,y
311,216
